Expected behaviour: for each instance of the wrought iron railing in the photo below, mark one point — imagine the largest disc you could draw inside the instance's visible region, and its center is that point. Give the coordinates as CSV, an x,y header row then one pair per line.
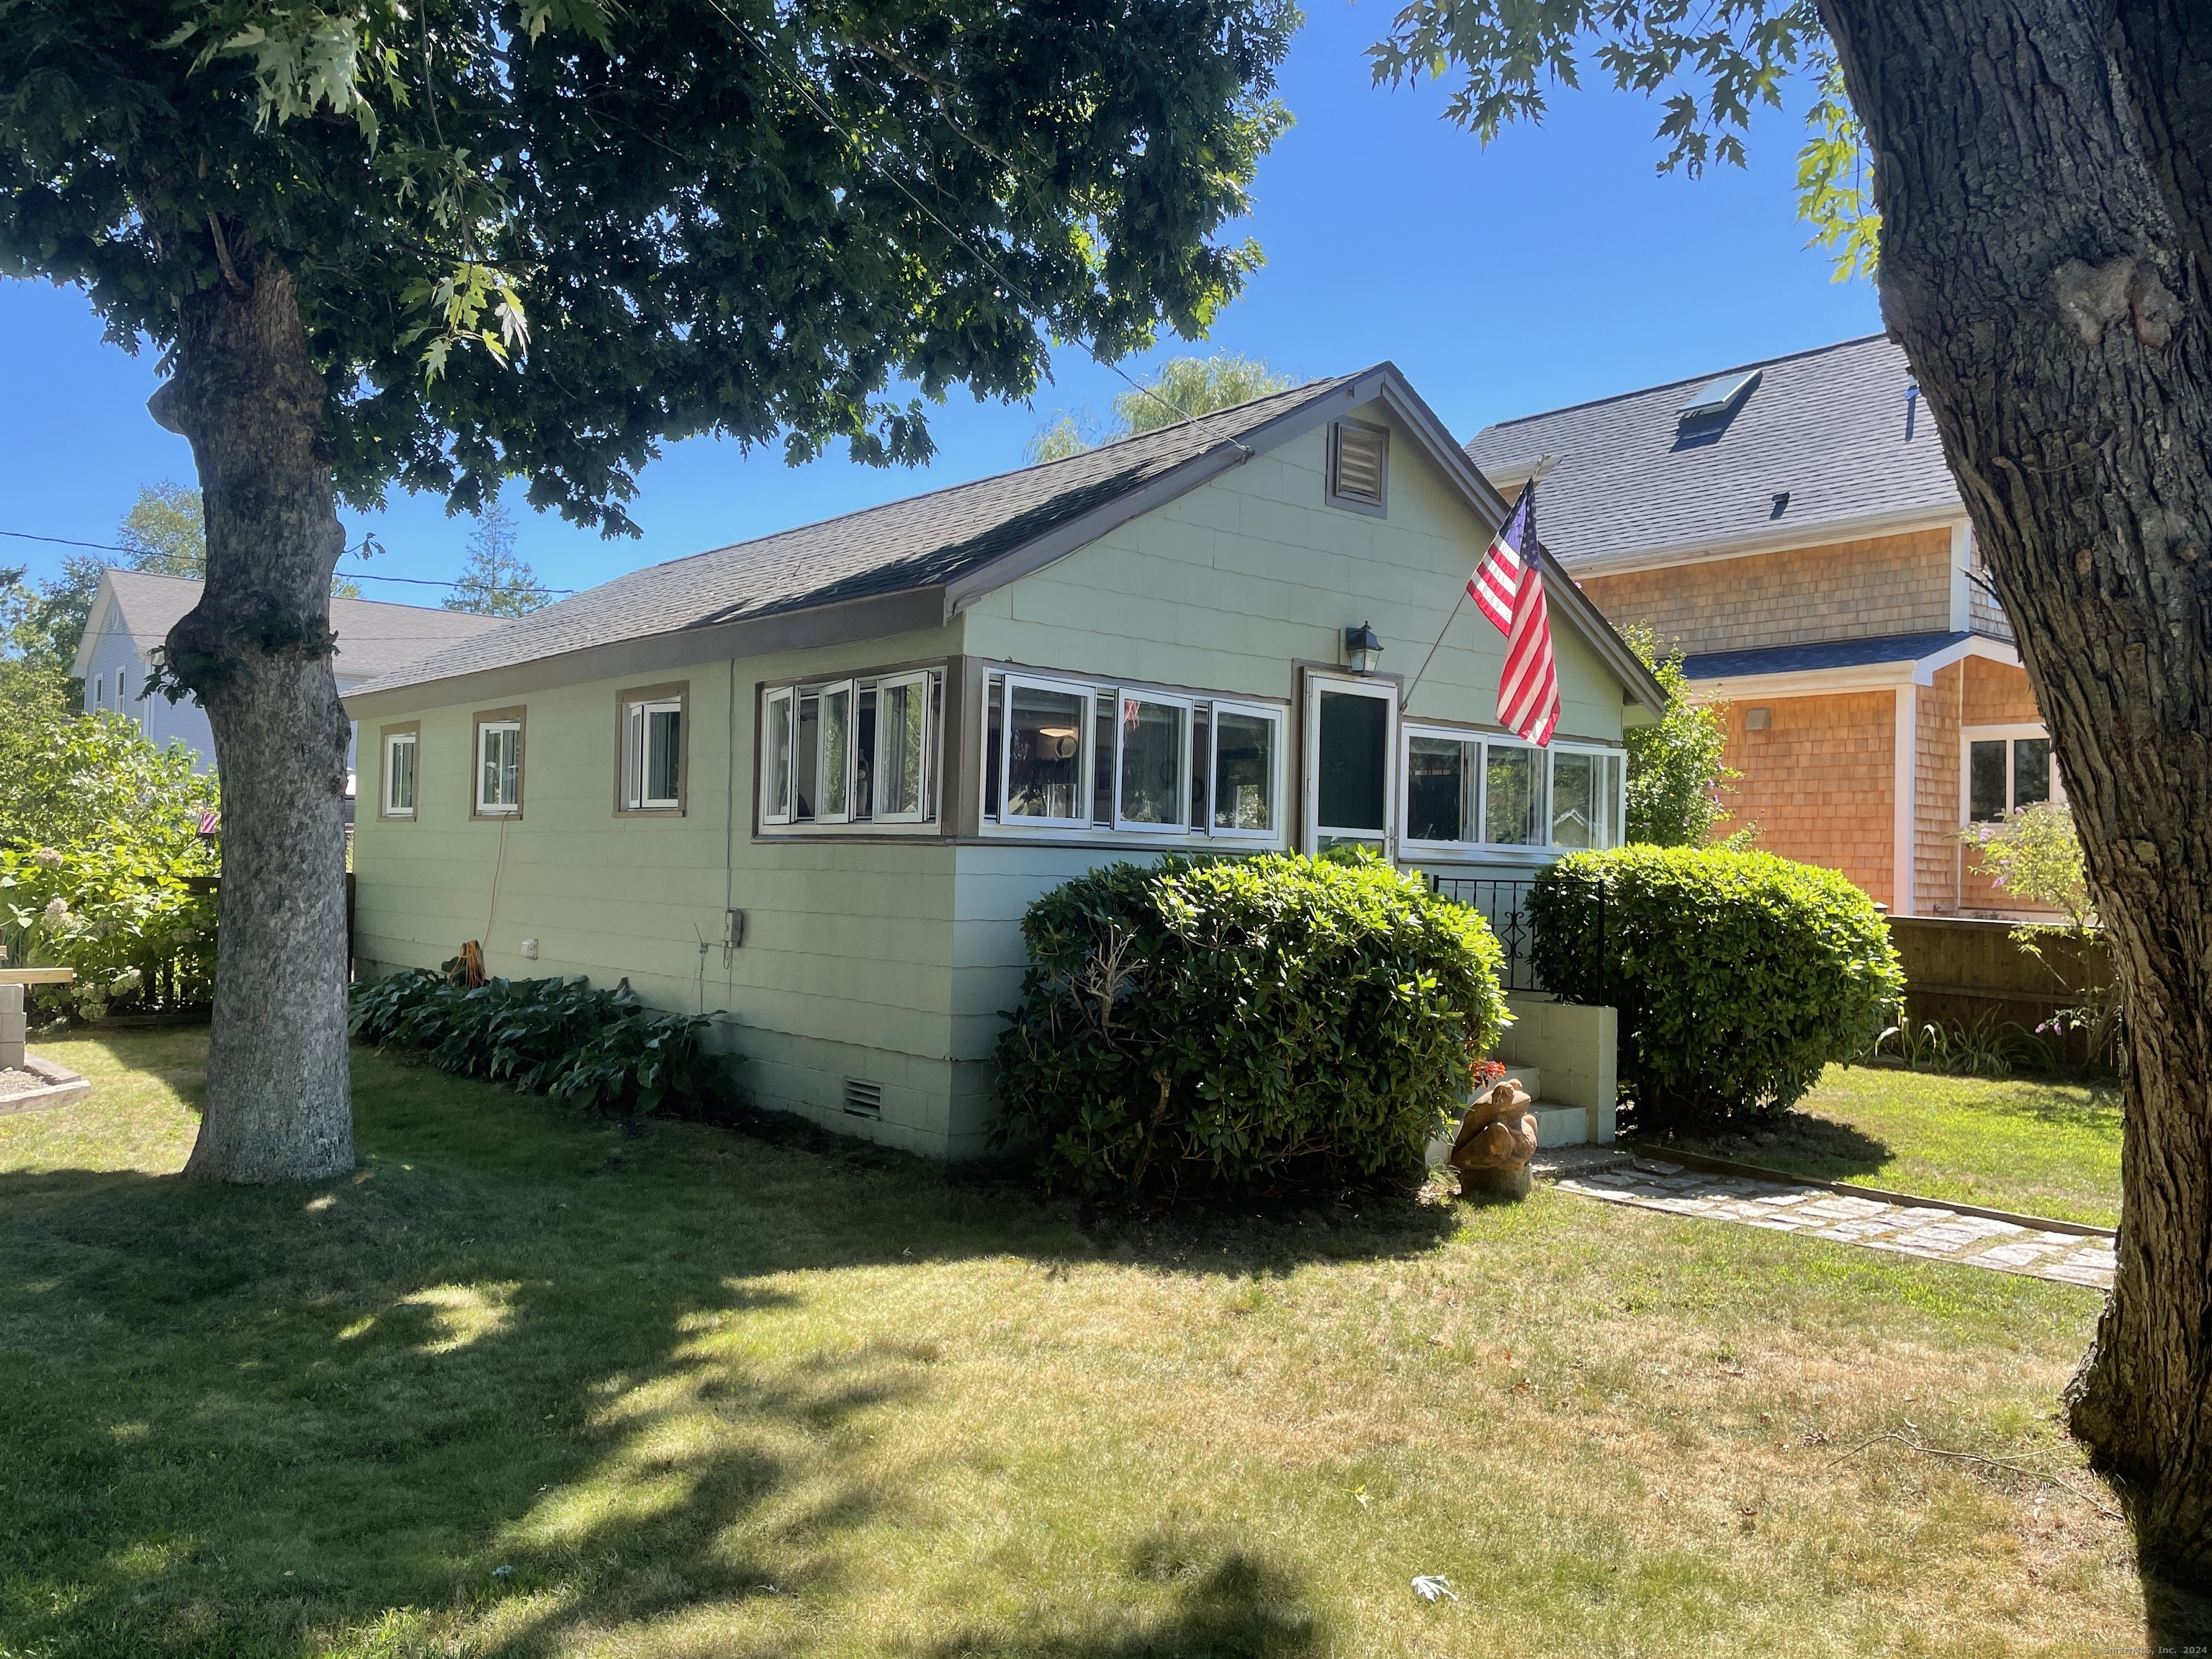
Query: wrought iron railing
x,y
1503,901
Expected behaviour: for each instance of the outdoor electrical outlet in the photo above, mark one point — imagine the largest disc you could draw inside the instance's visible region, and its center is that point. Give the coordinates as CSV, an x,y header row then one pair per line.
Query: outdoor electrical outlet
x,y
530,949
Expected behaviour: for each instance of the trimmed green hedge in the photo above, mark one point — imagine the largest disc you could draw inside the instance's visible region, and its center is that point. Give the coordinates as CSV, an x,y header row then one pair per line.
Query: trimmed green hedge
x,y
1266,1025
556,1036
1738,976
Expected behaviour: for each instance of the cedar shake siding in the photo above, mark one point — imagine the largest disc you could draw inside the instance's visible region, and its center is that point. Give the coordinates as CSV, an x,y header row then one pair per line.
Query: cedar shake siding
x,y
1819,782
1997,693
1941,857
1849,590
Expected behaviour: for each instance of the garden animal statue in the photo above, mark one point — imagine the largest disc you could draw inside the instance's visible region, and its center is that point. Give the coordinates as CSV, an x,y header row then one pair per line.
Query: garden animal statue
x,y
1495,1141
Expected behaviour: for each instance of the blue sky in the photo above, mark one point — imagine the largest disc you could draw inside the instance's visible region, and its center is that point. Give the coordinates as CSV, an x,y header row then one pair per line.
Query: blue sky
x,y
1554,266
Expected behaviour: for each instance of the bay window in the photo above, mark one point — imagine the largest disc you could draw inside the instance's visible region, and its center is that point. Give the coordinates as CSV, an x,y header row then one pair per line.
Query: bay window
x,y
859,751
1467,792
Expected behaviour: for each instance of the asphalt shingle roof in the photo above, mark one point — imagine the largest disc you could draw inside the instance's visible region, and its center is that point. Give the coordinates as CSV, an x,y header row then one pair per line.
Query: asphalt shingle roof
x,y
1822,654
918,543
1828,426
375,637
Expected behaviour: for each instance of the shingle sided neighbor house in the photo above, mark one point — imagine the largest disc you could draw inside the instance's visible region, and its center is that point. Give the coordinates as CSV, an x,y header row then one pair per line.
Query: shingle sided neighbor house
x,y
1791,527
133,611
813,780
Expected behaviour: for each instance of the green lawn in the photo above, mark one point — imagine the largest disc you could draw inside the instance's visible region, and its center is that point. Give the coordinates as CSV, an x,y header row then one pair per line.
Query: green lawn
x,y
2039,1147
525,1385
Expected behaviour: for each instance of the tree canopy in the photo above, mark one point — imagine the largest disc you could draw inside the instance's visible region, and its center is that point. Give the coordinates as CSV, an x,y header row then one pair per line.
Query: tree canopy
x,y
600,227
1182,386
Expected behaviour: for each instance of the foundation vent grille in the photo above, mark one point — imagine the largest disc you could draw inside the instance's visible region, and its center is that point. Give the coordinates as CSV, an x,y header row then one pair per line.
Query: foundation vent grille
x,y
863,1098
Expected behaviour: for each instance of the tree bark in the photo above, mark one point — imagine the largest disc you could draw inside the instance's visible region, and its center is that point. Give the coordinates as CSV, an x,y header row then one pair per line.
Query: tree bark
x,y
2048,301
257,651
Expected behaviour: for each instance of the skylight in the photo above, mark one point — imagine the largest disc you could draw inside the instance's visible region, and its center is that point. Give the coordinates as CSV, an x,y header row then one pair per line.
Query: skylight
x,y
1718,397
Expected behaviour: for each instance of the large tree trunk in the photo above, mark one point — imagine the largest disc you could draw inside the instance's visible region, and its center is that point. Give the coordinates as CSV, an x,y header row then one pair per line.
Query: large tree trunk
x,y
257,651
2049,304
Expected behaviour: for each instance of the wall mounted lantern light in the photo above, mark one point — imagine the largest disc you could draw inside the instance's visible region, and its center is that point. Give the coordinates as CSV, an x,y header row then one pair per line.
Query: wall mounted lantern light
x,y
1361,649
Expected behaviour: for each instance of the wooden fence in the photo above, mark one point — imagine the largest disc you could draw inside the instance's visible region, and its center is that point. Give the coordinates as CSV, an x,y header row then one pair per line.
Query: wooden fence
x,y
1960,972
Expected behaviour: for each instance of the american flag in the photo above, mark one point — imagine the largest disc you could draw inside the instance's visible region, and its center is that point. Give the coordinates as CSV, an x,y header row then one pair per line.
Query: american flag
x,y
1528,690
1497,580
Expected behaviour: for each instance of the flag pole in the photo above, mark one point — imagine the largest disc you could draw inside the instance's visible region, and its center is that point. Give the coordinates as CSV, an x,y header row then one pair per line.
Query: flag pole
x,y
1415,683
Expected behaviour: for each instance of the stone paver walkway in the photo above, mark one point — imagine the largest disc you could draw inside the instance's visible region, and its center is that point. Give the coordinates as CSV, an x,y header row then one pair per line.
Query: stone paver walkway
x,y
1922,1229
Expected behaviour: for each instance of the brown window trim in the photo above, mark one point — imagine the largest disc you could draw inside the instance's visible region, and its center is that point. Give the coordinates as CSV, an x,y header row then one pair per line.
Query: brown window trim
x,y
680,692
477,721
384,736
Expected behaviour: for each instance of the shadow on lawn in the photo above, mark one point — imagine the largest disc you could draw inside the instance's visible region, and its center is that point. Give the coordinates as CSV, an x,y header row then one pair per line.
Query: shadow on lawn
x,y
1796,1141
249,1421
1226,1606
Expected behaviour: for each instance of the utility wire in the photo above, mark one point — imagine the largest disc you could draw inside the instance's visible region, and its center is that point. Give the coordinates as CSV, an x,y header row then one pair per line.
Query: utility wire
x,y
348,575
799,82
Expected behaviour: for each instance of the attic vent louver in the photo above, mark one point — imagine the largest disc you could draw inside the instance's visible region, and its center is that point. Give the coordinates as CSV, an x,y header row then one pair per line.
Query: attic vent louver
x,y
1716,399
863,1098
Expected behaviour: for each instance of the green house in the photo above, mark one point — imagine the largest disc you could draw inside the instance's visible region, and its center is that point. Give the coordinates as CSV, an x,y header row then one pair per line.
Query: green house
x,y
809,783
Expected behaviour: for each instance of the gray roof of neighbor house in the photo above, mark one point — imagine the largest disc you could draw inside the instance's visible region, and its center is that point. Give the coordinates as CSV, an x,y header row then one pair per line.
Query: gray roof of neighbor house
x,y
1821,653
373,637
1832,428
923,541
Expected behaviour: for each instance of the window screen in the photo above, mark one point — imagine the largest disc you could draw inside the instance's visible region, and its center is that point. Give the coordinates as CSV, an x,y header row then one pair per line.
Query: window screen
x,y
1985,781
1353,762
2031,771
902,723
1155,778
1585,797
399,775
499,769
1244,772
1512,792
1440,789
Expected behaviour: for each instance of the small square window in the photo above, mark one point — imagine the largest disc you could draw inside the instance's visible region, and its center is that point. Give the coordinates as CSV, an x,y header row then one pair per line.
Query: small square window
x,y
1359,466
499,768
400,749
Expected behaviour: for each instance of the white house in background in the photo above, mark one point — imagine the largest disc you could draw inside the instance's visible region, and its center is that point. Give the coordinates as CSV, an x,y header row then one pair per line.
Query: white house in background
x,y
134,611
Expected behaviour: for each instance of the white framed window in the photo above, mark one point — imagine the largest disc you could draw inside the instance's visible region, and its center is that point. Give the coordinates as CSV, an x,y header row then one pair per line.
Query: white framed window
x,y
1044,757
833,753
1152,762
1065,756
400,752
1247,771
898,783
1467,792
1588,797
855,752
2005,767
777,747
653,750
498,766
